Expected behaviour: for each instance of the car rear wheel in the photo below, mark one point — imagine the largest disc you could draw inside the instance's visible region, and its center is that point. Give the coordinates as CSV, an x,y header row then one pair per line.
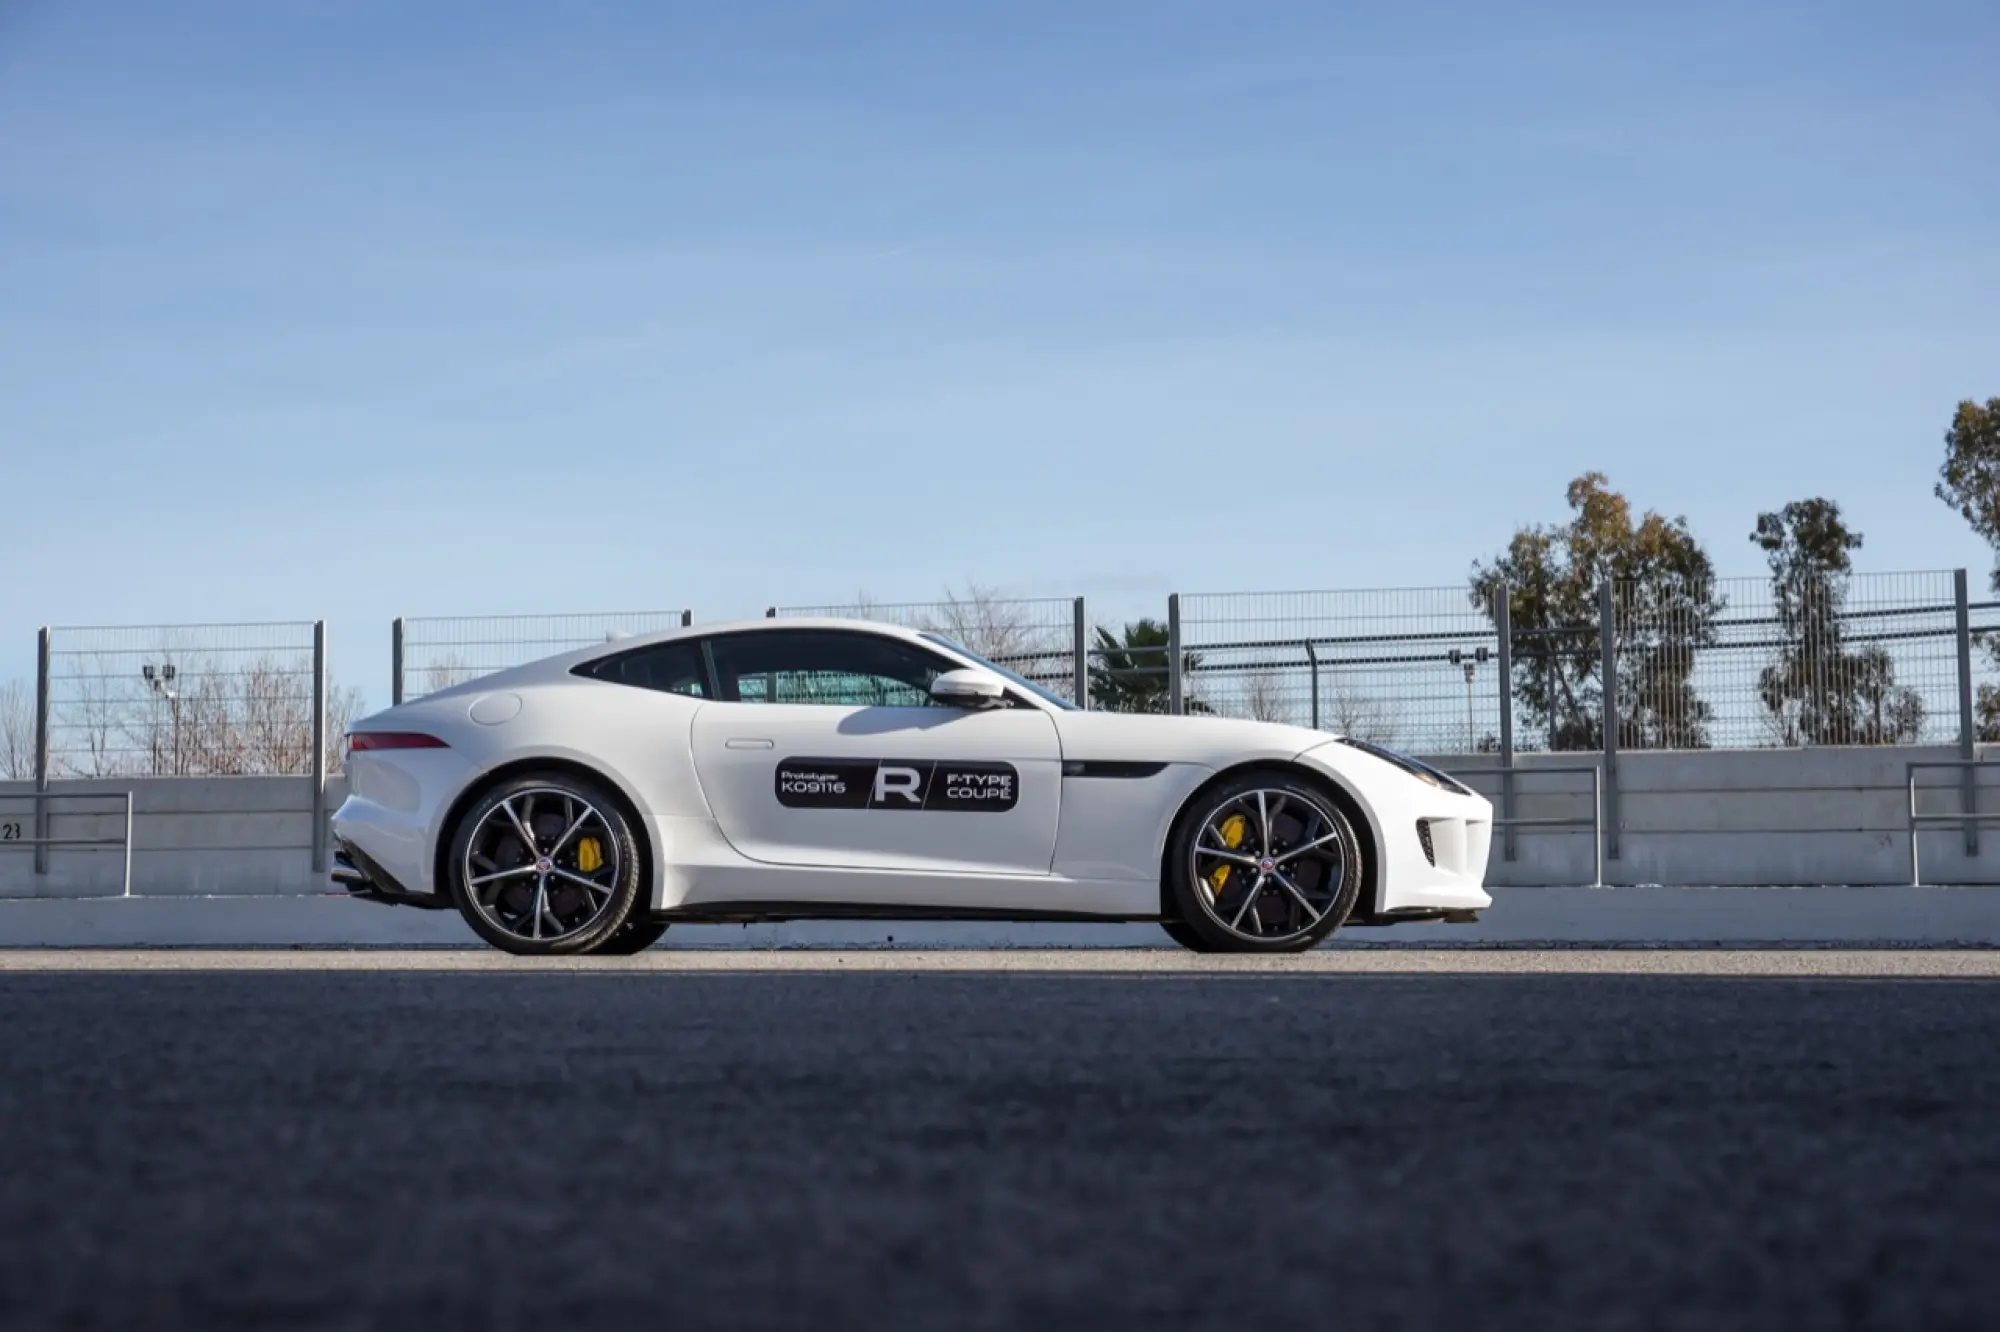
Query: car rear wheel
x,y
1265,863
546,866
638,935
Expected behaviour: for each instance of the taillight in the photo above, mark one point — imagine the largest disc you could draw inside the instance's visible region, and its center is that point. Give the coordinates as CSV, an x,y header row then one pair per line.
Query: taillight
x,y
364,740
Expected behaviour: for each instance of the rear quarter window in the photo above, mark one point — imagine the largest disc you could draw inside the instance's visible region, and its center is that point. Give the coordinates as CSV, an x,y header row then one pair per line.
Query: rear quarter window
x,y
667,668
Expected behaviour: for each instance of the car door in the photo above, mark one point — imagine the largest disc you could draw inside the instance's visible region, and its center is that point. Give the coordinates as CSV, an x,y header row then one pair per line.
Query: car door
x,y
825,748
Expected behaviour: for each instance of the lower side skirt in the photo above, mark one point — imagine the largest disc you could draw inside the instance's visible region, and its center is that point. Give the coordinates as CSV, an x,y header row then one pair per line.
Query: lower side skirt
x,y
764,913
767,912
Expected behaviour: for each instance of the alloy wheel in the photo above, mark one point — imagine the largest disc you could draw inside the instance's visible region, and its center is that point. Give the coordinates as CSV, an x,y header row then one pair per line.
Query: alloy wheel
x,y
1269,865
541,865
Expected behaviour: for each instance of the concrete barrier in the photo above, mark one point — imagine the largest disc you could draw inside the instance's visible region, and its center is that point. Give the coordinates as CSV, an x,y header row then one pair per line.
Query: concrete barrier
x,y
192,836
1814,817
1836,816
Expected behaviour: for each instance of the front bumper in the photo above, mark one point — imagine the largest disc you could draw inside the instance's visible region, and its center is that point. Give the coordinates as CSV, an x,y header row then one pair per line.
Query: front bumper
x,y
1431,842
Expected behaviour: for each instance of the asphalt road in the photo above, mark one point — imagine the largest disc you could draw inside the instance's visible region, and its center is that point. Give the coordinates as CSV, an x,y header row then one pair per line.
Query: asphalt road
x,y
964,1148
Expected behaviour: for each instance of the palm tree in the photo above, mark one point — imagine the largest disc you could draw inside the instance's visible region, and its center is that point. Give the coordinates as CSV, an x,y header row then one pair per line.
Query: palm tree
x,y
1130,673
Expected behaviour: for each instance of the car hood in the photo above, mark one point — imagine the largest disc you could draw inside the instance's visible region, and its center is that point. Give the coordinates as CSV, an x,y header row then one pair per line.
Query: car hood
x,y
1210,741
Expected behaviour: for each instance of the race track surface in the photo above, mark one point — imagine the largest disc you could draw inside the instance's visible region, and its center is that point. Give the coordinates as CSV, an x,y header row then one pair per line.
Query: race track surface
x,y
292,1140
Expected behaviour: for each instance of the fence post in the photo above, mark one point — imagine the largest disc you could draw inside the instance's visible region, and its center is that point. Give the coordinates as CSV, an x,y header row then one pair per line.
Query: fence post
x,y
1503,628
1548,643
42,751
1312,661
319,862
1081,663
1174,654
396,663
1597,812
687,618
1607,639
1967,735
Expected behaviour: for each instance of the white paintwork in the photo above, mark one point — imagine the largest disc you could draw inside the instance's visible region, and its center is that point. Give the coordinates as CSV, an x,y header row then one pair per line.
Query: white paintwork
x,y
738,746
968,685
493,709
702,778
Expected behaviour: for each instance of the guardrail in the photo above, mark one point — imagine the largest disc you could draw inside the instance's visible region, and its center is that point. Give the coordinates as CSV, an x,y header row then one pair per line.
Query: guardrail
x,y
1969,817
1507,824
18,833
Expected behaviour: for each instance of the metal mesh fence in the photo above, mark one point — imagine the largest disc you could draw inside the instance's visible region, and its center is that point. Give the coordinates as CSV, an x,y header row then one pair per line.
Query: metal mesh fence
x,y
1034,638
184,700
441,651
1986,670
1870,659
1867,659
1414,668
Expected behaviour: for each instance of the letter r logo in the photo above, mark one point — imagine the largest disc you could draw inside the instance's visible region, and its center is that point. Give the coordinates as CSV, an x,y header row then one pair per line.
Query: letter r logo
x,y
905,782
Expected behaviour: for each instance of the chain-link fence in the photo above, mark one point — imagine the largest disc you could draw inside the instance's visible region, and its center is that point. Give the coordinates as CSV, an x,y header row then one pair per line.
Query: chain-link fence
x,y
1838,660
1034,638
429,654
1866,659
183,701
1415,668
1984,654
1870,659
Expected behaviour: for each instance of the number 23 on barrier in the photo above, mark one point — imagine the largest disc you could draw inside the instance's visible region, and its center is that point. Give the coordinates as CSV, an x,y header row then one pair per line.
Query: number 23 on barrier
x,y
10,832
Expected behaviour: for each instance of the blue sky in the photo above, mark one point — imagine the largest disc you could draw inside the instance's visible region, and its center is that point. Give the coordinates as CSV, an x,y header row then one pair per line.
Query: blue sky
x,y
357,310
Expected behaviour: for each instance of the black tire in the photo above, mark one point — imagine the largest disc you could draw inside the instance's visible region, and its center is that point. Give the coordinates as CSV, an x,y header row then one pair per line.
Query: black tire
x,y
592,922
1328,878
639,934
1180,932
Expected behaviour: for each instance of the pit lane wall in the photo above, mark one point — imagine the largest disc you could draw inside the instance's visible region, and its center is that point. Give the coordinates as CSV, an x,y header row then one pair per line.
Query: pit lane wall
x,y
191,837
1719,818
1723,818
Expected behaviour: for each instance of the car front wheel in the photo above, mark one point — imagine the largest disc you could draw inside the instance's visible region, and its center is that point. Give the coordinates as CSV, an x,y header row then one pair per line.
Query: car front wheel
x,y
1265,863
638,935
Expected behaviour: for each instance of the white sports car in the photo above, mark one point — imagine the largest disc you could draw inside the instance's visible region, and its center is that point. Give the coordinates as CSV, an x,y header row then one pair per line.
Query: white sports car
x,y
790,769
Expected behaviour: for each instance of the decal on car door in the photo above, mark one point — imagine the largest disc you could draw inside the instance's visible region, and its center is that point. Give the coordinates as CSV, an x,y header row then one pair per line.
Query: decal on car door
x,y
932,785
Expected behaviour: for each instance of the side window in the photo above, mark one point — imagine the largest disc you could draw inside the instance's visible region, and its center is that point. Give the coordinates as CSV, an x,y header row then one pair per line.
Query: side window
x,y
830,667
672,668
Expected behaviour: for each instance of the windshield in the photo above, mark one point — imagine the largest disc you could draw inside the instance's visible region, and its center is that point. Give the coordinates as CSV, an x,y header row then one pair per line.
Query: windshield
x,y
1053,700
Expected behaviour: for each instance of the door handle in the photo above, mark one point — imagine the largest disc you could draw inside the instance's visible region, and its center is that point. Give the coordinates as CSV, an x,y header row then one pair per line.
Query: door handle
x,y
745,742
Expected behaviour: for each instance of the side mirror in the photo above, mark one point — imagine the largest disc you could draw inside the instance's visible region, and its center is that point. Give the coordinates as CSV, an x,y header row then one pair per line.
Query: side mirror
x,y
969,688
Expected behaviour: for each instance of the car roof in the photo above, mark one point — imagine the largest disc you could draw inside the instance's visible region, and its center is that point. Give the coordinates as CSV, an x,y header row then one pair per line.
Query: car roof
x,y
566,661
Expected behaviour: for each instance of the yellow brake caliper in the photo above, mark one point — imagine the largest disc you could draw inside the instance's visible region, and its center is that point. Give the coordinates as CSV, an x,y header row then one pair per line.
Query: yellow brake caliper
x,y
589,855
1232,831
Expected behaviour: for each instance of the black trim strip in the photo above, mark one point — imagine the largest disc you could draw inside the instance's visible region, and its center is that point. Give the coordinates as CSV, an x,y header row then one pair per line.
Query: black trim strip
x,y
1111,768
749,911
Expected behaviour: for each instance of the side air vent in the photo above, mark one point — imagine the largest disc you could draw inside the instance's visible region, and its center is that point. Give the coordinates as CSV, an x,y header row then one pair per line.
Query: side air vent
x,y
1424,836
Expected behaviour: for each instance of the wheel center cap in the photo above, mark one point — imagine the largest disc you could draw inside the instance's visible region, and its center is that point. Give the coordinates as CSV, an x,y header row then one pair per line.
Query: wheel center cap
x,y
1267,866
543,865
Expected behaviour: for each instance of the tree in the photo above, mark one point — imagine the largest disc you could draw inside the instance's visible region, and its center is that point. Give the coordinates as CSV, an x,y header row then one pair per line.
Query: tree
x,y
1264,697
1005,632
1969,481
448,671
220,718
1131,671
1820,691
1353,711
1667,611
17,732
